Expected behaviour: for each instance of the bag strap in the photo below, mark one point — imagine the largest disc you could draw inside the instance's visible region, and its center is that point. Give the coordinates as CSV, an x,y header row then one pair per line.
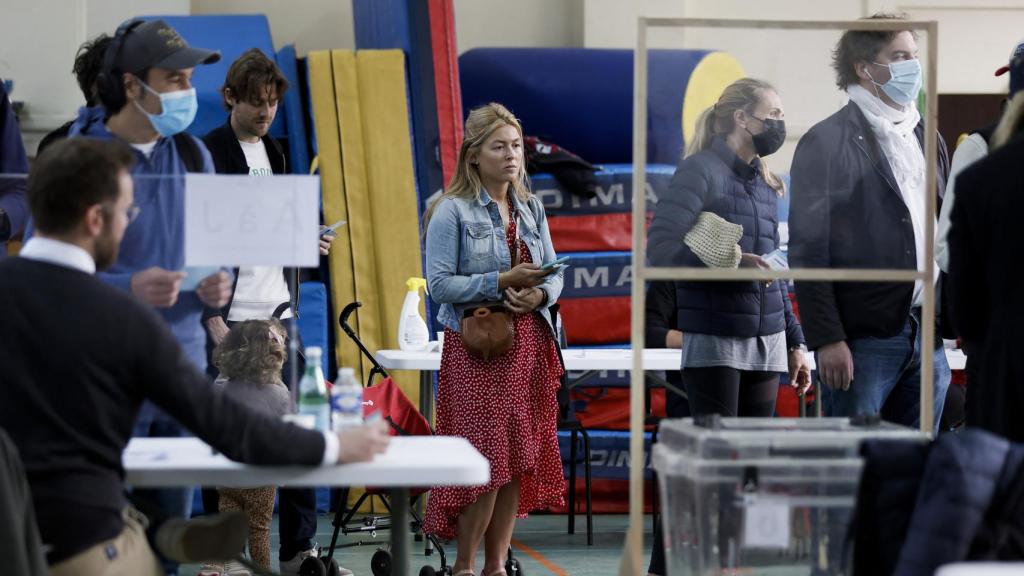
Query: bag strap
x,y
189,152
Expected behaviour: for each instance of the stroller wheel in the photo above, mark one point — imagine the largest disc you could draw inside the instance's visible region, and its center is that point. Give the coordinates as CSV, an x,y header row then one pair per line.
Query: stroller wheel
x,y
331,566
428,570
513,568
380,564
312,566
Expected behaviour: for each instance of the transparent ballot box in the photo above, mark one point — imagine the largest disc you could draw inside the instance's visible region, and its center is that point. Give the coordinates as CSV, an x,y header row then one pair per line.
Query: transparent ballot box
x,y
758,496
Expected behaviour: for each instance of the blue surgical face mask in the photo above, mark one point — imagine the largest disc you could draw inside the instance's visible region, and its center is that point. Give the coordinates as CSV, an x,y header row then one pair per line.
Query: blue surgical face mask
x,y
904,81
178,110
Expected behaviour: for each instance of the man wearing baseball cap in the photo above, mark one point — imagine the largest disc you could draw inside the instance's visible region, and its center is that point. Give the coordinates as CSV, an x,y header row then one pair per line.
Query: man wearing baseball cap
x,y
147,101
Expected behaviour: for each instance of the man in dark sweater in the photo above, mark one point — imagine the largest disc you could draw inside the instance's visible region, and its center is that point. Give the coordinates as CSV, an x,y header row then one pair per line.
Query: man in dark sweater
x,y
252,90
80,356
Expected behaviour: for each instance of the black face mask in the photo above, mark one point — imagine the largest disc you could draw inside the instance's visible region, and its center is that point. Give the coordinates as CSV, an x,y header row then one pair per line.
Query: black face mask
x,y
771,137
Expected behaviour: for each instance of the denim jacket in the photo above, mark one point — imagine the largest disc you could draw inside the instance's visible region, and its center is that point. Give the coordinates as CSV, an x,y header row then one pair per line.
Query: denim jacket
x,y
466,250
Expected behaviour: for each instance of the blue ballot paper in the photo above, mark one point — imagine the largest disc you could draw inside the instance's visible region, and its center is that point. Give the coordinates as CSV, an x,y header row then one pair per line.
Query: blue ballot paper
x,y
195,275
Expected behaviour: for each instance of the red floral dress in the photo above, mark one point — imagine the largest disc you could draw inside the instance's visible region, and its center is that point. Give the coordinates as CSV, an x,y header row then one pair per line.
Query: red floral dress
x,y
507,408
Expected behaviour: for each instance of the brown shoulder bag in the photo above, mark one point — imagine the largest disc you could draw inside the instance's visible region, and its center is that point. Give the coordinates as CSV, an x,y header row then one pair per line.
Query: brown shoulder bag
x,y
487,330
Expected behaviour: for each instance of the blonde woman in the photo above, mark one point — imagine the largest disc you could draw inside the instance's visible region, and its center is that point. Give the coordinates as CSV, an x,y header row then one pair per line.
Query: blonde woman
x,y
486,240
740,335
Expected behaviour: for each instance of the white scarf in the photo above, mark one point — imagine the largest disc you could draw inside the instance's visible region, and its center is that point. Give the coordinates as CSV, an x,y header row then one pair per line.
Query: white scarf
x,y
894,130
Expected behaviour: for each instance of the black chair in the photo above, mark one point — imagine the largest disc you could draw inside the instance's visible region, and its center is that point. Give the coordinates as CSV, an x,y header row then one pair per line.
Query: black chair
x,y
567,422
576,430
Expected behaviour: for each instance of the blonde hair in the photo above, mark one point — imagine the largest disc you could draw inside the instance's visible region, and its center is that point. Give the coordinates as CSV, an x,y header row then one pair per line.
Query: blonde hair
x,y
466,183
1010,123
743,94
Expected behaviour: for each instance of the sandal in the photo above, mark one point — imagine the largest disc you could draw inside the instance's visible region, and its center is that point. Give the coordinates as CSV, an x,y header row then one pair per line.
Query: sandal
x,y
466,572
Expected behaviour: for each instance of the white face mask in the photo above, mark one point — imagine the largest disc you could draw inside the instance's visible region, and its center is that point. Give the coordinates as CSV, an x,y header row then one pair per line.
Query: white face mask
x,y
904,81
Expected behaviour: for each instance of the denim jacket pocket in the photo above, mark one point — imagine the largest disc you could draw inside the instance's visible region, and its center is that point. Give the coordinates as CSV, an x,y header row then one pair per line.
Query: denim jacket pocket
x,y
479,241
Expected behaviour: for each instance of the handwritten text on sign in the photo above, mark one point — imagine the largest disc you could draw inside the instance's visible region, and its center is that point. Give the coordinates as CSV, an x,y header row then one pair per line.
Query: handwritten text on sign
x,y
245,221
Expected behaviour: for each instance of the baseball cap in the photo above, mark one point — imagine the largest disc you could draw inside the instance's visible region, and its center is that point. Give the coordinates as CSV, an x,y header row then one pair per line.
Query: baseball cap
x,y
1017,52
154,44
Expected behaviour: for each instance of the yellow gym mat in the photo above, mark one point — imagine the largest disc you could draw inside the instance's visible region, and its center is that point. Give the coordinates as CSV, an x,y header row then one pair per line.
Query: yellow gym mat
x,y
360,112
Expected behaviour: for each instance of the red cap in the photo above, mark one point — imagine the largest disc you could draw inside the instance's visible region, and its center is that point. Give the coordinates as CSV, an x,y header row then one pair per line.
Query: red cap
x,y
1018,50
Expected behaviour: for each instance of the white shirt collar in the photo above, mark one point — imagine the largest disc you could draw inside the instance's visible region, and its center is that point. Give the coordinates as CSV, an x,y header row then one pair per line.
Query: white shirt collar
x,y
59,253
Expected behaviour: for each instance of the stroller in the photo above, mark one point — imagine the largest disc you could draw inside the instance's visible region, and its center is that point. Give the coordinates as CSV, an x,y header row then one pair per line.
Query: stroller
x,y
405,420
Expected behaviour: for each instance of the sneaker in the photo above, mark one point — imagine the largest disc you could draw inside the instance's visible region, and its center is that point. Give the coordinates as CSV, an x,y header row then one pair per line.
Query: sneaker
x,y
291,567
236,568
211,569
203,539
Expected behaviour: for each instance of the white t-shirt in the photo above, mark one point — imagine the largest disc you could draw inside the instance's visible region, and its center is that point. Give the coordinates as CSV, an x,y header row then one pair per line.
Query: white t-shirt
x,y
260,289
146,149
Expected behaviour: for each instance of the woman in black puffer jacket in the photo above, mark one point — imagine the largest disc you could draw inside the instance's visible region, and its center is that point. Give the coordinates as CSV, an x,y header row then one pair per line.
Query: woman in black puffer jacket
x,y
738,336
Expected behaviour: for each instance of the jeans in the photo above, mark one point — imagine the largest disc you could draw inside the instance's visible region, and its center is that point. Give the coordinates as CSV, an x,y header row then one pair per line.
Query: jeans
x,y
887,378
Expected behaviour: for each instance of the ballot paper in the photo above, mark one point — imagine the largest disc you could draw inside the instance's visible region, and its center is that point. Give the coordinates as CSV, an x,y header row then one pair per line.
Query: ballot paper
x,y
245,221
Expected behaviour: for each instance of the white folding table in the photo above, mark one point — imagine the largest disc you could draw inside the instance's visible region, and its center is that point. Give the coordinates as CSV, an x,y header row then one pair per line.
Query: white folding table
x,y
410,461
586,360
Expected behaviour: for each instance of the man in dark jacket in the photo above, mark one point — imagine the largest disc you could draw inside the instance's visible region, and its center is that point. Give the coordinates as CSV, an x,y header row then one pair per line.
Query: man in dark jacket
x,y
858,180
252,90
13,167
71,394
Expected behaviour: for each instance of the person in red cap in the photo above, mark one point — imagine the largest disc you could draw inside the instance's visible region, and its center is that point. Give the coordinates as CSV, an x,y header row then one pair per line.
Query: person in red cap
x,y
968,151
984,278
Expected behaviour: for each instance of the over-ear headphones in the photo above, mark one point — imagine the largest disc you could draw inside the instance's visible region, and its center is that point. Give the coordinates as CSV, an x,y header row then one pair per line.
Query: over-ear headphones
x,y
109,82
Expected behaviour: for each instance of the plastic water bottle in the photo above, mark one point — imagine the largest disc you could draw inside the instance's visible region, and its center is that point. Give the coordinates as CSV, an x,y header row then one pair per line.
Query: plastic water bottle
x,y
346,401
313,391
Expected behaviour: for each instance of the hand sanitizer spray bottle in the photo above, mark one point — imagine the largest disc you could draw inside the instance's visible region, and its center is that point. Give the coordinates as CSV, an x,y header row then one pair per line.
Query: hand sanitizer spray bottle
x,y
412,330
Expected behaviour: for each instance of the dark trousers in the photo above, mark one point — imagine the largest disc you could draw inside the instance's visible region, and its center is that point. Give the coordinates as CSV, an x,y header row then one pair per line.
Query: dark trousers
x,y
731,392
20,545
296,507
676,406
717,390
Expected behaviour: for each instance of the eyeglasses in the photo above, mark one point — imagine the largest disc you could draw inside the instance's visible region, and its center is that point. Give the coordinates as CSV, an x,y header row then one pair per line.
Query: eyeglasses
x,y
132,212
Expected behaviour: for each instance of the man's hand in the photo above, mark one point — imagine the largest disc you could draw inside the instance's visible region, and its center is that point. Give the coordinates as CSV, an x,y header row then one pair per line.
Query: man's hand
x,y
156,286
799,371
215,290
325,244
835,365
523,301
217,328
362,443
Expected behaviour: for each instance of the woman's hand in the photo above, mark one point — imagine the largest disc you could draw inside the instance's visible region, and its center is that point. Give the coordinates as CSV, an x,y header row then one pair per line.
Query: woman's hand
x,y
799,371
753,261
523,301
525,275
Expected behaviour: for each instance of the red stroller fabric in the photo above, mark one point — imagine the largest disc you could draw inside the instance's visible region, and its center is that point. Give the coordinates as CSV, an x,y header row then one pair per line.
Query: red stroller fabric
x,y
395,408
